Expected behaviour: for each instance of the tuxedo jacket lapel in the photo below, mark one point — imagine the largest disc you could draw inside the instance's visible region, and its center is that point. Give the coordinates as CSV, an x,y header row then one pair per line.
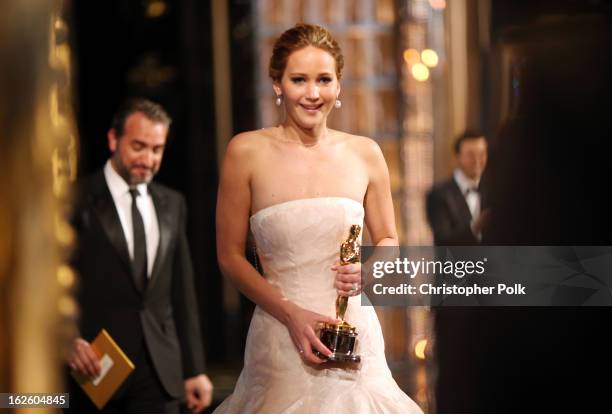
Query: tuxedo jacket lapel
x,y
461,205
164,219
105,209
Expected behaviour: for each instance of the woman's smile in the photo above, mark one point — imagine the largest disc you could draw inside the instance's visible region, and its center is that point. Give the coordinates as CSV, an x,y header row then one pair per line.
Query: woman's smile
x,y
310,108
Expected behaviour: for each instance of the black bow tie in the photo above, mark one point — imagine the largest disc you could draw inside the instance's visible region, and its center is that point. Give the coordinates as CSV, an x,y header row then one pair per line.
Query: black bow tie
x,y
471,190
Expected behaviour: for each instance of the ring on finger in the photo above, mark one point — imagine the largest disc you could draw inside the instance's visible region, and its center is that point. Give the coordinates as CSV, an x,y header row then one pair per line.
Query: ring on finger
x,y
354,287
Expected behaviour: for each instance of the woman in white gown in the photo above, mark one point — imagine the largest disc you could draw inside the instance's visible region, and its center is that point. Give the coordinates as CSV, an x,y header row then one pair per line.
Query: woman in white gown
x,y
299,187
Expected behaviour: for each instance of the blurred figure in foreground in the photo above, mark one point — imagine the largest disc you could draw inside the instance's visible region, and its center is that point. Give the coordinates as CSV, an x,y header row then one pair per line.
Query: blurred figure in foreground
x,y
544,187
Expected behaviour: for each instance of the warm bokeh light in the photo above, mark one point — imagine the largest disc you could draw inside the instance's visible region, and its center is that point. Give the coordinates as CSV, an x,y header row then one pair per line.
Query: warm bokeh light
x,y
412,56
156,9
420,72
65,276
429,57
419,348
63,232
437,4
67,306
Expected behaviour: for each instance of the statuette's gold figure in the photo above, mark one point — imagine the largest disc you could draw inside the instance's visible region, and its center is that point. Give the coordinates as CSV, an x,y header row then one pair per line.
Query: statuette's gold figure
x,y
341,338
350,252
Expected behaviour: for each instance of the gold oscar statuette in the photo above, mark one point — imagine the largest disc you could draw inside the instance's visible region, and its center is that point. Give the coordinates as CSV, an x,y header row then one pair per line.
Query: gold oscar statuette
x,y
341,338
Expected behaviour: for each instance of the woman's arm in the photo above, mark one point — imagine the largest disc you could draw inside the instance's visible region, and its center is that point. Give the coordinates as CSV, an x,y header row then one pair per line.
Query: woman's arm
x,y
379,215
378,202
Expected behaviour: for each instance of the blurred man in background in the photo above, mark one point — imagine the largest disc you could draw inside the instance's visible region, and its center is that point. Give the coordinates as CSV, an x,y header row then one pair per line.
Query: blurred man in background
x,y
454,207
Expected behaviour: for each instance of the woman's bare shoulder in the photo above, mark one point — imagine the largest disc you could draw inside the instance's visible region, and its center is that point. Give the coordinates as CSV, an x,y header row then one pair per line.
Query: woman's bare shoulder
x,y
363,146
246,144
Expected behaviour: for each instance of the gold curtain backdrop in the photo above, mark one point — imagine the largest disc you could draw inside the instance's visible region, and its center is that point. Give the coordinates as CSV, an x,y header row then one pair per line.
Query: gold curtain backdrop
x,y
38,159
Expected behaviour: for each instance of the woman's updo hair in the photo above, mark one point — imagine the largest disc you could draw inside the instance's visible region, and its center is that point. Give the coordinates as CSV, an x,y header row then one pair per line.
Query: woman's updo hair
x,y
298,37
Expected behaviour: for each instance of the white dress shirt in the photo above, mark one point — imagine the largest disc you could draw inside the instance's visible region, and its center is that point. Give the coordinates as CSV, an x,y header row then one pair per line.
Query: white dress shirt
x,y
469,189
120,191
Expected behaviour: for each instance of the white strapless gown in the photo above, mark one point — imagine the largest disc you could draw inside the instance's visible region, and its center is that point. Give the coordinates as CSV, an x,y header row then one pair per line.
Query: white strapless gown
x,y
297,242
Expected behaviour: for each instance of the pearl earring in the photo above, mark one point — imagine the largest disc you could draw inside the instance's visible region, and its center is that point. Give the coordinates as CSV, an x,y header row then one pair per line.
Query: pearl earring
x,y
279,100
338,104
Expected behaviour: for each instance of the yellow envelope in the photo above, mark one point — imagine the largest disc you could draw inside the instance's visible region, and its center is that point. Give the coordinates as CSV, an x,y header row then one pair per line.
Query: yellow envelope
x,y
116,367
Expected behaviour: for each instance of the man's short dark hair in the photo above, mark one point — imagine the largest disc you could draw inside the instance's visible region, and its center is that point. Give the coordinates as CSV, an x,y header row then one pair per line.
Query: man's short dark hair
x,y
466,136
153,111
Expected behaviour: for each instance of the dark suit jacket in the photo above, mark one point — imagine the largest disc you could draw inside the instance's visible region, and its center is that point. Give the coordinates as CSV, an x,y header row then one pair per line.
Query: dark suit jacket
x,y
164,316
449,215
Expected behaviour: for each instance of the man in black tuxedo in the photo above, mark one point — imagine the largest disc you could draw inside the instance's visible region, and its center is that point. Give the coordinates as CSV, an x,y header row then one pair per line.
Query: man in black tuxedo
x,y
454,206
136,278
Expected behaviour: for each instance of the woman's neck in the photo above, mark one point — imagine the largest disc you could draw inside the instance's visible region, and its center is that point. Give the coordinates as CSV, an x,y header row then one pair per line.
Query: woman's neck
x,y
306,137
